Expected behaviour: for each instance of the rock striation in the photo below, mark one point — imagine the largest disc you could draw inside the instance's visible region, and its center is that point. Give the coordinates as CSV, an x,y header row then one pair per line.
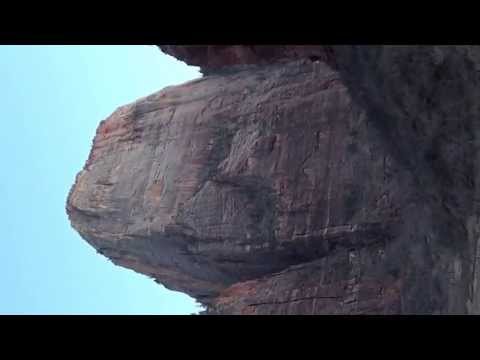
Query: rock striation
x,y
297,180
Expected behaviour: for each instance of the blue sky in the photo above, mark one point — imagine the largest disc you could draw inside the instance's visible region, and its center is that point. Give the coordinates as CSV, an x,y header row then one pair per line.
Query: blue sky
x,y
51,101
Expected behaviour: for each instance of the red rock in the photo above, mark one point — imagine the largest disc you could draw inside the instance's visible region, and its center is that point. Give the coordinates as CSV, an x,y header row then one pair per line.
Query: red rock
x,y
297,180
215,57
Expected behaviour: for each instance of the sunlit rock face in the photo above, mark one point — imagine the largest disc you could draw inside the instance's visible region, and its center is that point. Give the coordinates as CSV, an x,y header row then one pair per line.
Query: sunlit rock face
x,y
296,180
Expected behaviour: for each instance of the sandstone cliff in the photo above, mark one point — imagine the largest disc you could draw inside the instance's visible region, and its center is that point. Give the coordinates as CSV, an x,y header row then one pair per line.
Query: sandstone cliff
x,y
297,180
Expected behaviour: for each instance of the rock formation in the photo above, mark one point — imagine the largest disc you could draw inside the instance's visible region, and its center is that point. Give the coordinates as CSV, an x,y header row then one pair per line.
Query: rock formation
x,y
297,180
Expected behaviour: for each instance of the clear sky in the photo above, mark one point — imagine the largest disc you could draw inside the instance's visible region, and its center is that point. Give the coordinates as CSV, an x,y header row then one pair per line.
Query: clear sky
x,y
51,101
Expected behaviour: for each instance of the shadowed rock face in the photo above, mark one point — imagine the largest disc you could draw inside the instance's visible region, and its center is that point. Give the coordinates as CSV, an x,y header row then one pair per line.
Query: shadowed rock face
x,y
296,180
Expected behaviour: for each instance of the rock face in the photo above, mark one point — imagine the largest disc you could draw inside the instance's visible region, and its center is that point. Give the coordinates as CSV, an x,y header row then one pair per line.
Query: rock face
x,y
297,180
218,59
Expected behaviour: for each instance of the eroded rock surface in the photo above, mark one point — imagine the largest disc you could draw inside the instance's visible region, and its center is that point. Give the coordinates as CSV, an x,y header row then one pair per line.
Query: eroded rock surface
x,y
297,180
